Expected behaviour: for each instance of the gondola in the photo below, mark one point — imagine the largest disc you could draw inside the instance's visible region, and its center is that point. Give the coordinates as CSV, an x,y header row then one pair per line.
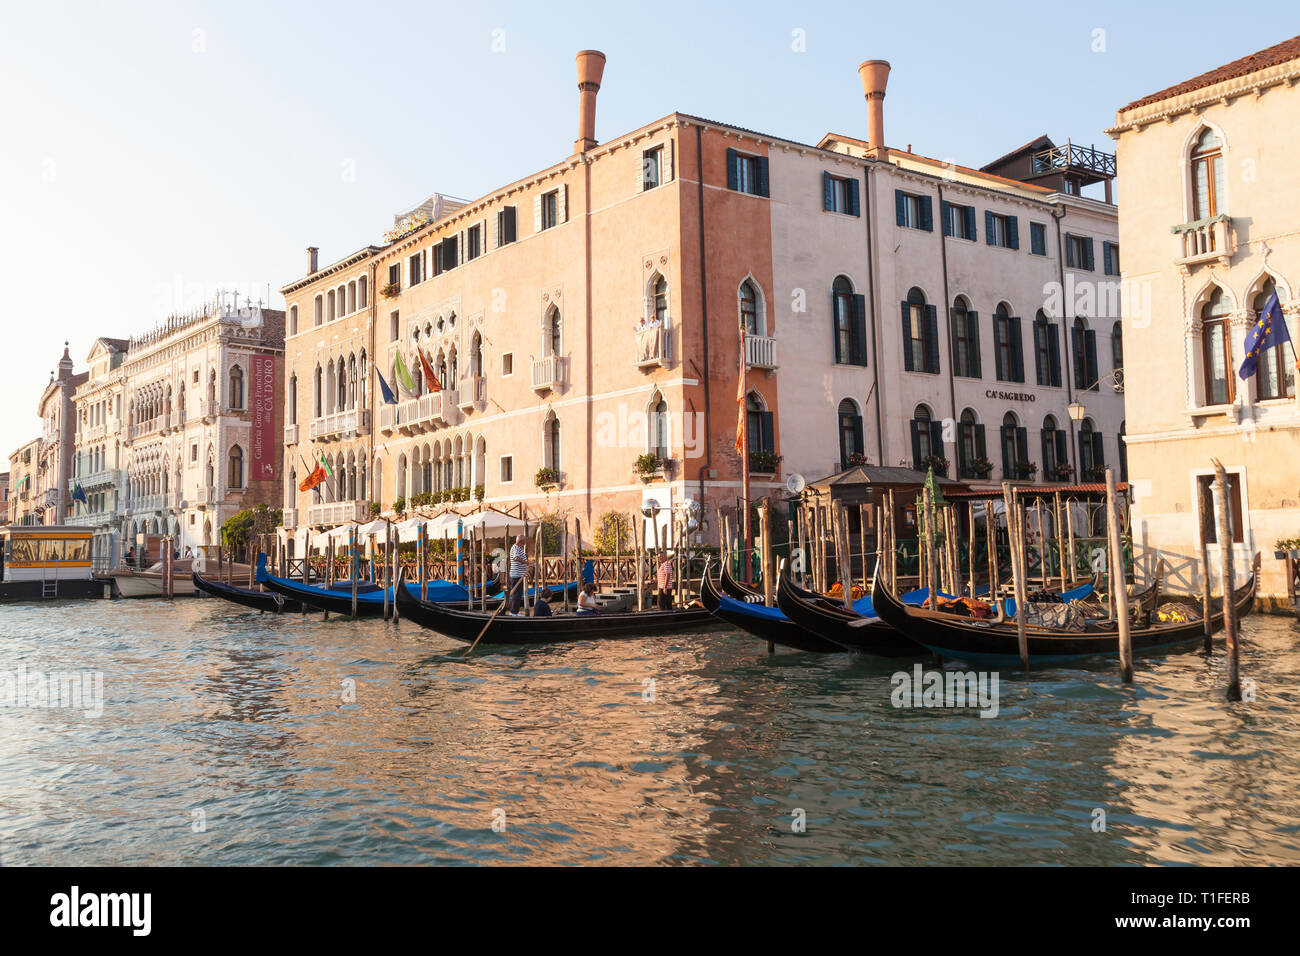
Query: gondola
x,y
338,596
268,601
735,589
766,623
997,644
466,626
839,625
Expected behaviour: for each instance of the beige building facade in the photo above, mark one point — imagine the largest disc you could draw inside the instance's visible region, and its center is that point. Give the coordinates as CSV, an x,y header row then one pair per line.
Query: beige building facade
x,y
1210,200
23,465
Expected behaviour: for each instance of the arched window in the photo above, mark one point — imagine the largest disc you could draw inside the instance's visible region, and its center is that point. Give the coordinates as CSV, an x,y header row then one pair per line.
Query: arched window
x,y
1092,452
236,387
551,443
1117,346
210,472
293,320
1275,377
965,339
970,445
293,399
659,300
1216,349
927,437
1007,345
317,393
330,306
1047,351
235,476
352,381
212,385
1015,448
1207,176
920,334
1055,450
762,431
749,302
552,337
1084,346
341,385
318,310
850,432
658,427
850,323
476,355
363,293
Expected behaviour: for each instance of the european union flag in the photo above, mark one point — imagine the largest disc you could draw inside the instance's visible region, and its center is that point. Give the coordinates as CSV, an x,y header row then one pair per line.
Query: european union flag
x,y
389,397
1269,331
78,493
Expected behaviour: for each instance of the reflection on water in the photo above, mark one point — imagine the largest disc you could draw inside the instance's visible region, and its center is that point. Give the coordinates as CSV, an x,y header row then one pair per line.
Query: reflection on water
x,y
230,737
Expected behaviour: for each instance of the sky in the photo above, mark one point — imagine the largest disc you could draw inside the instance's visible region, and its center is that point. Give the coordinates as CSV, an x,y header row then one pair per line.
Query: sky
x,y
153,153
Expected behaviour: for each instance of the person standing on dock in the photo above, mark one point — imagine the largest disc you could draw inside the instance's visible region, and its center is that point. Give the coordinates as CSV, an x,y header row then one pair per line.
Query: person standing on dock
x,y
664,581
518,572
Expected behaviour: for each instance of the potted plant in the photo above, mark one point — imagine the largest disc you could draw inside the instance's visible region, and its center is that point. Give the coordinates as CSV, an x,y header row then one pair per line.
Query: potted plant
x,y
764,462
936,462
858,459
399,506
1063,471
546,478
480,492
981,467
375,509
390,290
1025,470
648,465
1287,546
1096,473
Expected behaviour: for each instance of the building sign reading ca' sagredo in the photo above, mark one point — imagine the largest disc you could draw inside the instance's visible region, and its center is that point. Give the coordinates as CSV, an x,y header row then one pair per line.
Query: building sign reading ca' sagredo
x,y
1010,396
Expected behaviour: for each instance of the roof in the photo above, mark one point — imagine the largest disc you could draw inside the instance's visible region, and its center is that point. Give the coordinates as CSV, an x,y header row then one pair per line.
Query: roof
x,y
1272,56
1041,142
880,475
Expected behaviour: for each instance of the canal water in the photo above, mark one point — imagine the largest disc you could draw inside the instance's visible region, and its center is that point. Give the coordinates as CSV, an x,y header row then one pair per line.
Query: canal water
x,y
230,737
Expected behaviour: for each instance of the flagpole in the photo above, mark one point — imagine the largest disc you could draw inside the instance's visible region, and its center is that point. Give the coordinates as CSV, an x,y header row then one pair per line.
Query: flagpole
x,y
744,459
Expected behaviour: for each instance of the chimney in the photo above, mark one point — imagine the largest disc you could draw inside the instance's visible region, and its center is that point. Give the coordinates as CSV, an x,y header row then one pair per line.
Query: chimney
x,y
591,67
875,74
312,252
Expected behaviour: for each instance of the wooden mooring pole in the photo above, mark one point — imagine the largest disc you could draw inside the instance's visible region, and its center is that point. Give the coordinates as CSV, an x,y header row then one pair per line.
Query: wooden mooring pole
x,y
1118,586
1227,573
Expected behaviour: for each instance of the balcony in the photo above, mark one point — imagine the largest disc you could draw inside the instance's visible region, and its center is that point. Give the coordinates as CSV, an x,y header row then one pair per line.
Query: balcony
x,y
176,419
50,497
97,519
108,477
337,513
205,497
49,432
1203,241
760,352
419,414
209,411
291,434
93,432
290,518
653,348
548,372
345,424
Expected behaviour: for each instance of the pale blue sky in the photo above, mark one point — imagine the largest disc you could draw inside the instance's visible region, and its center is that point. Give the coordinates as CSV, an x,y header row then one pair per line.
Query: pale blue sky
x,y
154,151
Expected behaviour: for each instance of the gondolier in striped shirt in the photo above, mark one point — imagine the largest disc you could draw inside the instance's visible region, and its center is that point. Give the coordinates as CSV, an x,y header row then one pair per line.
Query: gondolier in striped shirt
x,y
518,572
664,581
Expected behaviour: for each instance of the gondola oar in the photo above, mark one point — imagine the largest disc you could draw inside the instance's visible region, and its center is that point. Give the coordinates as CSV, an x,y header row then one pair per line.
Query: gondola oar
x,y
500,608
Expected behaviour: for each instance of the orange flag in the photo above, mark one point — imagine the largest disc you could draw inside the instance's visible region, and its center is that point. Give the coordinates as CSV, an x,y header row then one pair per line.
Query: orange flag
x,y
430,380
314,479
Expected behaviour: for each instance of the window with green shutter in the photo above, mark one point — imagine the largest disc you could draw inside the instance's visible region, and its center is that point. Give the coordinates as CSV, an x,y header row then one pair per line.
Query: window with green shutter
x,y
1037,239
839,194
913,212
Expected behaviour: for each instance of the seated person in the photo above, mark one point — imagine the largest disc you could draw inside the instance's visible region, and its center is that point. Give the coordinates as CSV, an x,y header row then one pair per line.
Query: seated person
x,y
587,598
543,606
